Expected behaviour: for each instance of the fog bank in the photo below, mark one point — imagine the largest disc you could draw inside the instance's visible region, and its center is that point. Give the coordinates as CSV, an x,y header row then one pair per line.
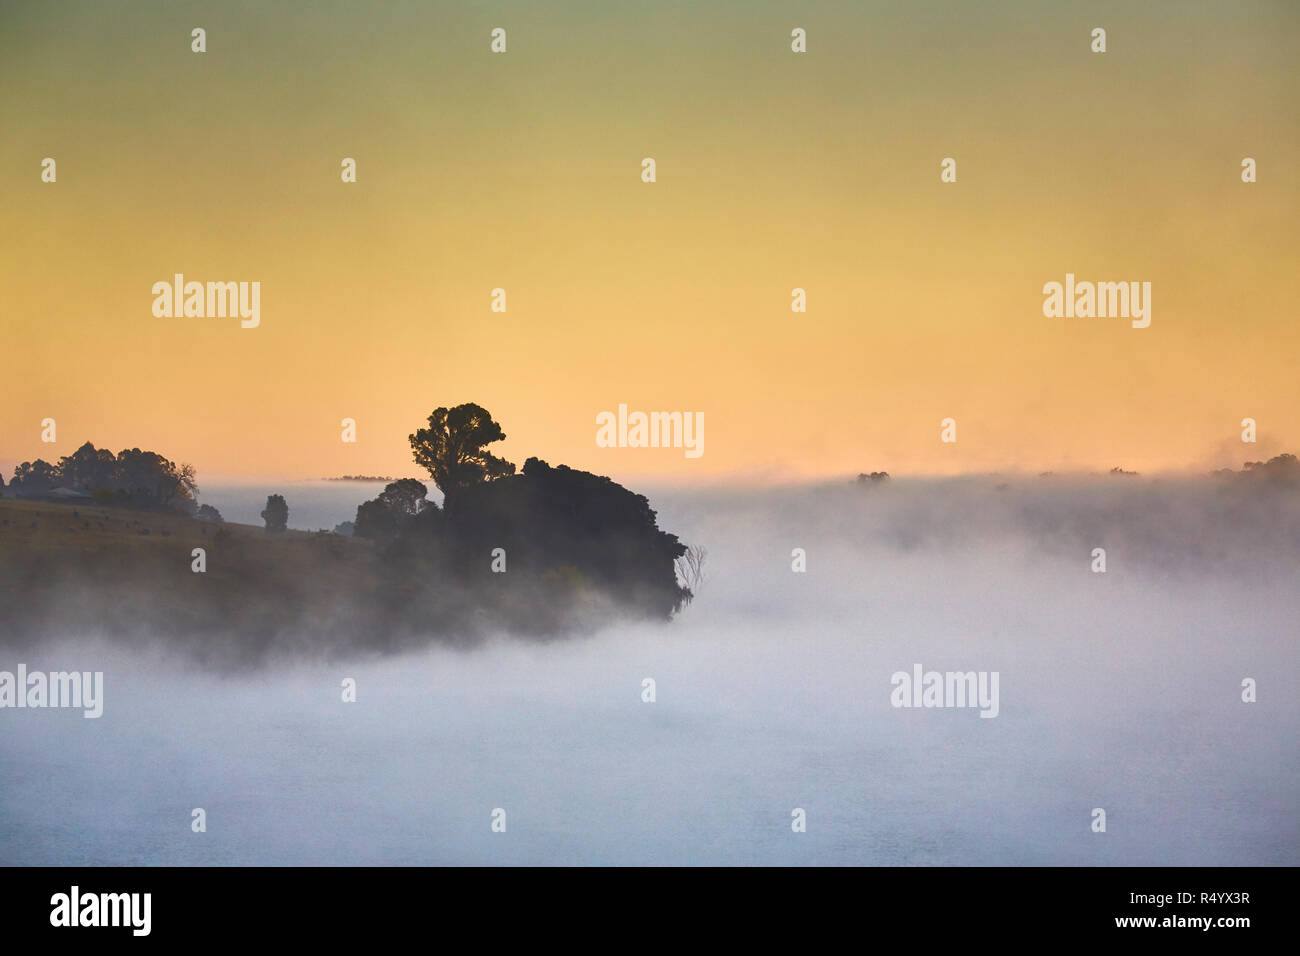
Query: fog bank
x,y
1118,690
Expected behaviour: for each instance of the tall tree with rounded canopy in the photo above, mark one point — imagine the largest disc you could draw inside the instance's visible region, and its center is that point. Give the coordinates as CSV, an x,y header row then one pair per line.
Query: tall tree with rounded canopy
x,y
384,517
452,449
405,498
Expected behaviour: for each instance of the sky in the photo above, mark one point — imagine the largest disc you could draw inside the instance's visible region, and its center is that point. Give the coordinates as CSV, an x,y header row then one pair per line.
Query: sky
x,y
775,170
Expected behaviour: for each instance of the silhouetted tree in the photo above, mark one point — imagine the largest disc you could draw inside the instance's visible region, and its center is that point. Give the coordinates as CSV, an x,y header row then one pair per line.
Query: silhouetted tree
x,y
142,479
34,477
384,517
276,513
1278,463
374,522
452,449
88,468
406,498
564,528
690,568
145,478
208,513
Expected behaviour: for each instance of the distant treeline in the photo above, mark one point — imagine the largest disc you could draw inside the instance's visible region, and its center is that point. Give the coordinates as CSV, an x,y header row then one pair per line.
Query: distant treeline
x,y
132,478
1281,468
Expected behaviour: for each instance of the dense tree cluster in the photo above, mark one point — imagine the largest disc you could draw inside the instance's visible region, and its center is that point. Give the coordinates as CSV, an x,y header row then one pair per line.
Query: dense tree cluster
x,y
557,532
1280,467
388,515
134,478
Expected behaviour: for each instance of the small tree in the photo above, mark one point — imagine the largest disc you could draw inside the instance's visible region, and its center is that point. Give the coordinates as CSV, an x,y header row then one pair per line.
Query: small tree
x,y
690,568
276,513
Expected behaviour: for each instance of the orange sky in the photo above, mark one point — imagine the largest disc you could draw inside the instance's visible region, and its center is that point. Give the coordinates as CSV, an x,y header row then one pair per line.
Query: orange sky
x,y
775,171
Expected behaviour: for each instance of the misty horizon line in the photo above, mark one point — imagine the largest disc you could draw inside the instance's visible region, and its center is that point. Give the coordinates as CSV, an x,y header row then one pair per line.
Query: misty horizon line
x,y
778,476
769,478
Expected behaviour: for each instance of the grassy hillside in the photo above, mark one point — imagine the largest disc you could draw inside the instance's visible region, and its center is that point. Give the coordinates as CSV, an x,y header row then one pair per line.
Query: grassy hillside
x,y
81,528
76,569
